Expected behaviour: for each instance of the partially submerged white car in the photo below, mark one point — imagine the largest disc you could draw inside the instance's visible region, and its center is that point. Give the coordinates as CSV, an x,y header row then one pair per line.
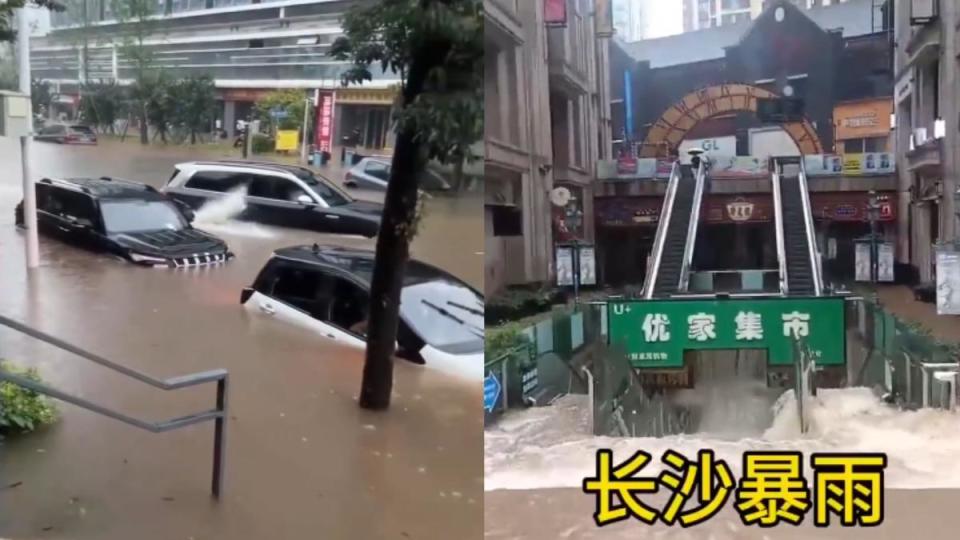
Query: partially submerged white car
x,y
327,289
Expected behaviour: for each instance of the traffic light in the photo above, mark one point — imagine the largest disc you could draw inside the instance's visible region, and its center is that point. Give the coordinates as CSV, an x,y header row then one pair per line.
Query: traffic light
x,y
780,110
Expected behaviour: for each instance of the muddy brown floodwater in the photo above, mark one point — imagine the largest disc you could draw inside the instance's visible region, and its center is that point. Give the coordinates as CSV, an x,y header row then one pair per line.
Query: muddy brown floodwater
x,y
303,461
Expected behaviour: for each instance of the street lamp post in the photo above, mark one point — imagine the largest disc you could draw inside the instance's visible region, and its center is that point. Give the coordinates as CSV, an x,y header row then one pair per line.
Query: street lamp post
x,y
873,214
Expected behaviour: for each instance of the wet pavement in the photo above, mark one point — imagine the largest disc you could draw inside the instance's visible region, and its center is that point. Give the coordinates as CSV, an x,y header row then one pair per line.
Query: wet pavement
x,y
303,461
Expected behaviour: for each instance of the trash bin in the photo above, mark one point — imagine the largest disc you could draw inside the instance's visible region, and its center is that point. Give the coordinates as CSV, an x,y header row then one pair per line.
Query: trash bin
x,y
348,157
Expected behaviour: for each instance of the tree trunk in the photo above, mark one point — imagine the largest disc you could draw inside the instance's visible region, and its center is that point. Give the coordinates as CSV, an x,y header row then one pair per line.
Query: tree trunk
x,y
393,249
193,137
144,134
458,175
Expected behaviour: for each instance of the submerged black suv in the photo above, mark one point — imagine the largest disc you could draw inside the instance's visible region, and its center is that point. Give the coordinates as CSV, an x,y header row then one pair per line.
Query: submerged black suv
x,y
128,219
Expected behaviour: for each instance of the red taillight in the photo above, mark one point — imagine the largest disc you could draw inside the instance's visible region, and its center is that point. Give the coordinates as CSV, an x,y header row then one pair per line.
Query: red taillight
x,y
72,137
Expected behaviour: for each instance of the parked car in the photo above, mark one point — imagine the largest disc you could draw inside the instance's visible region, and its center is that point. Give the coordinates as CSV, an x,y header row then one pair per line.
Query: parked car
x,y
276,194
67,134
373,173
327,290
131,220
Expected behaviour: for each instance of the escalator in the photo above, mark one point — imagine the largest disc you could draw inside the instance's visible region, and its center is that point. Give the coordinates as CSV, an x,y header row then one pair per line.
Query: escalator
x,y
673,248
800,273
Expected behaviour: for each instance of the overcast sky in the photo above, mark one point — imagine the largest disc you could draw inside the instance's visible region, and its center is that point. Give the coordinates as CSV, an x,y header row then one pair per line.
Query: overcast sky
x,y
665,17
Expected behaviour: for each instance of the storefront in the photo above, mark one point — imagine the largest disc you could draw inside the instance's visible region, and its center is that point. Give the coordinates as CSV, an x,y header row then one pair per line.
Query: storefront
x,y
841,218
237,105
863,126
362,118
626,228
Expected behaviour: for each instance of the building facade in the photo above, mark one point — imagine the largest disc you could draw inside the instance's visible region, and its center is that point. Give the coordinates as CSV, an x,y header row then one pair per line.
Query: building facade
x,y
926,126
546,102
248,47
700,89
700,14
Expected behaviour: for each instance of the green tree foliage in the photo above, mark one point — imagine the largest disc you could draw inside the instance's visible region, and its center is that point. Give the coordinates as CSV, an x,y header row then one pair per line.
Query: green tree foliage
x,y
7,8
137,17
436,49
195,103
158,92
102,103
291,101
21,409
42,95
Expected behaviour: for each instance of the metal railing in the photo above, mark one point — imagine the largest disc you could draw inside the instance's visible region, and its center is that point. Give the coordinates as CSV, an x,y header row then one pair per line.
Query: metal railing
x,y
778,217
911,368
816,266
701,180
217,414
661,237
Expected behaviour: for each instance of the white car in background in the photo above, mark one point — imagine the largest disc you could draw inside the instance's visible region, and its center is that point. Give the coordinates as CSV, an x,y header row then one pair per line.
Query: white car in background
x,y
327,289
373,173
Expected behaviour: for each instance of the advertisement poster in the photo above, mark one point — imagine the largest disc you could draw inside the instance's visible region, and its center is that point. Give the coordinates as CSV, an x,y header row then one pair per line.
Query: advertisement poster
x,y
588,266
324,138
565,266
664,167
555,12
865,164
626,169
948,282
737,167
862,261
884,262
823,165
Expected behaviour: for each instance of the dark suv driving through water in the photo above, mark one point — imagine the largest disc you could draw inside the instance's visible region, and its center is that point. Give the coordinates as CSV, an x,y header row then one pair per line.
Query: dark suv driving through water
x,y
128,219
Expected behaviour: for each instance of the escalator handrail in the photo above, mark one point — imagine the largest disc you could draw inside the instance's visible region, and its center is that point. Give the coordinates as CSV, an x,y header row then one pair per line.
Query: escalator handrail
x,y
778,219
658,244
814,251
692,226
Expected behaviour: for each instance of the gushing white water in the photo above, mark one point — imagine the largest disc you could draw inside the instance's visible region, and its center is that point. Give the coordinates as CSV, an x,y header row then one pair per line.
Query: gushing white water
x,y
549,447
219,215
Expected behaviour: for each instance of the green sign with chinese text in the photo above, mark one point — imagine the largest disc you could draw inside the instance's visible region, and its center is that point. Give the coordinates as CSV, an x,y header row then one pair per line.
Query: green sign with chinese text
x,y
655,333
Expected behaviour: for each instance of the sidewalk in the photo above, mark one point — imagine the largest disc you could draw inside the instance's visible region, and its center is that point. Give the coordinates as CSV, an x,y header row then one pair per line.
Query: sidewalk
x,y
898,299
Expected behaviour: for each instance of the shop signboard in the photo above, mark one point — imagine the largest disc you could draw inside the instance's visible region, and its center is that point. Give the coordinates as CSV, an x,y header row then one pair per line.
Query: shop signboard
x,y
884,261
324,137
287,140
555,12
655,334
588,266
564,266
948,282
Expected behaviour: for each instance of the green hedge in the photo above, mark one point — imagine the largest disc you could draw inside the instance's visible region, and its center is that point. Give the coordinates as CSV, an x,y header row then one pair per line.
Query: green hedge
x,y
23,410
514,304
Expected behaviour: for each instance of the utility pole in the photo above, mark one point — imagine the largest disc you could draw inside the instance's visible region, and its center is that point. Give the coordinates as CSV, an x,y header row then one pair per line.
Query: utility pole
x,y
303,142
29,190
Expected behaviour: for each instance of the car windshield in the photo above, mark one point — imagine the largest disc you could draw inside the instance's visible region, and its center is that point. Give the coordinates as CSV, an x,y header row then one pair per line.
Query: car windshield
x,y
129,216
326,190
447,315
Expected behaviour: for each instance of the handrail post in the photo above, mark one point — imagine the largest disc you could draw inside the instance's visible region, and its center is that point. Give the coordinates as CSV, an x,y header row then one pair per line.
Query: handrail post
x,y
814,250
653,269
692,226
219,439
778,228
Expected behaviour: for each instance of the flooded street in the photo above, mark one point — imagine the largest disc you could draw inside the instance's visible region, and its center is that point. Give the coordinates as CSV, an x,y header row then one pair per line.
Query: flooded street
x,y
303,461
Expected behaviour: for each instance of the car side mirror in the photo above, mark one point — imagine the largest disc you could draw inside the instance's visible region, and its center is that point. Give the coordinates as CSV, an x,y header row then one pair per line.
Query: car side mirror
x,y
306,200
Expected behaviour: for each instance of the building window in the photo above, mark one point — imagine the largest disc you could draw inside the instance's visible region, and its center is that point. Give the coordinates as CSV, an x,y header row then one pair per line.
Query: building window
x,y
507,220
865,145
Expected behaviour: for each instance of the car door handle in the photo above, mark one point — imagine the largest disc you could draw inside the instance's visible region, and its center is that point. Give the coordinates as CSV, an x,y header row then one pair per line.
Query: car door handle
x,y
268,309
331,216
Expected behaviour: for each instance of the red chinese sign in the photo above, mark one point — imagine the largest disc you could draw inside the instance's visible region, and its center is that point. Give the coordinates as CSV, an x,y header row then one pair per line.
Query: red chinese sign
x,y
324,137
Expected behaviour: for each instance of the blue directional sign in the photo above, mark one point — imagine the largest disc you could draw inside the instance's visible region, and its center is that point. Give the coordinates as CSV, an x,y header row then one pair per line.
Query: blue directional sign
x,y
491,392
278,113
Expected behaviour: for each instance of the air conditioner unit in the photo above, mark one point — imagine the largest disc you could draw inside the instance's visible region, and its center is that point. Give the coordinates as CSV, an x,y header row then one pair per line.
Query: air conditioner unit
x,y
920,135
